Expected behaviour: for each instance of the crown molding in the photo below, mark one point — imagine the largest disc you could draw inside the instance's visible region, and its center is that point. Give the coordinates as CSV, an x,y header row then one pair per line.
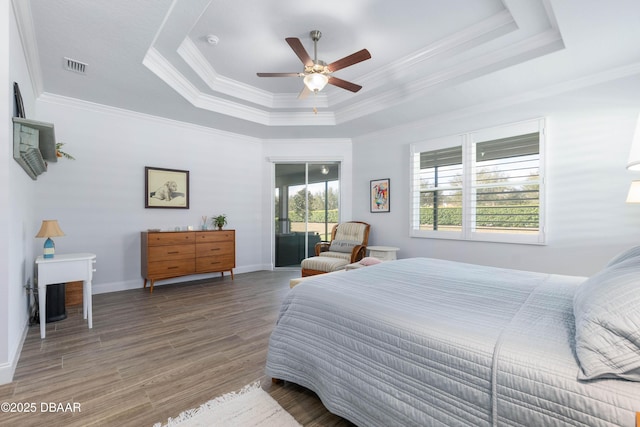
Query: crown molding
x,y
304,118
509,101
159,65
193,57
302,141
162,68
65,101
290,100
190,53
473,36
547,41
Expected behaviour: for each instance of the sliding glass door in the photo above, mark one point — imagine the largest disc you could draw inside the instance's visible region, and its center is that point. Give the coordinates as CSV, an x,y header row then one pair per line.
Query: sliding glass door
x,y
306,208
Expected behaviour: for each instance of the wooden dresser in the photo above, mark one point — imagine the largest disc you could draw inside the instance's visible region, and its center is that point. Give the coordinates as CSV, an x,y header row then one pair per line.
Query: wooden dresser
x,y
166,255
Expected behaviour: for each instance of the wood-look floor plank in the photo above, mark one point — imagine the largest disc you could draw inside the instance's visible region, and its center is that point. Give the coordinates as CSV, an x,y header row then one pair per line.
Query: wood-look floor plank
x,y
151,356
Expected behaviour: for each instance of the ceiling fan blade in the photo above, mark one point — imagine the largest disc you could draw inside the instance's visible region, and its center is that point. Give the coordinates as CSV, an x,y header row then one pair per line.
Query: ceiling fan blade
x,y
278,74
297,47
354,58
304,93
344,84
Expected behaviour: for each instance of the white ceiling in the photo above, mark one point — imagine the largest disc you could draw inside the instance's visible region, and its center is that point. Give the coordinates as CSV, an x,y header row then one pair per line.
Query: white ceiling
x,y
429,57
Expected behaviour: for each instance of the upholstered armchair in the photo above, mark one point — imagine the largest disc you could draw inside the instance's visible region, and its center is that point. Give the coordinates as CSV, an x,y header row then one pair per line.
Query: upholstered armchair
x,y
348,245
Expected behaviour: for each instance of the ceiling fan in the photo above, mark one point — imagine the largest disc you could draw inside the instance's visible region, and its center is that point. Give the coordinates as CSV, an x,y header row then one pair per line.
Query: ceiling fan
x,y
317,73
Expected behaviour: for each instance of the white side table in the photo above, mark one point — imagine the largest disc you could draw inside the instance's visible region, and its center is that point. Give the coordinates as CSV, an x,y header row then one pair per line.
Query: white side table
x,y
383,253
61,269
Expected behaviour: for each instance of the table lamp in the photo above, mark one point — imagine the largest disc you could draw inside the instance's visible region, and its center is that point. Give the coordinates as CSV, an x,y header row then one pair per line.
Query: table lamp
x,y
634,192
49,229
634,156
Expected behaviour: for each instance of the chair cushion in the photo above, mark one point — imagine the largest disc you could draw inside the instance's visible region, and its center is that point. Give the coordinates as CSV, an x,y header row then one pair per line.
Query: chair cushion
x,y
324,263
343,246
351,231
341,255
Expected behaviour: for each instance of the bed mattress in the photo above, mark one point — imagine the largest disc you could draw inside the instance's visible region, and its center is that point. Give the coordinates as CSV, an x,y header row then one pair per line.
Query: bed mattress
x,y
432,342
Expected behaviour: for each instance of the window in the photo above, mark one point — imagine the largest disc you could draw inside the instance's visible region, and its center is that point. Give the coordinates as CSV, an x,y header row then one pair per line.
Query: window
x,y
484,185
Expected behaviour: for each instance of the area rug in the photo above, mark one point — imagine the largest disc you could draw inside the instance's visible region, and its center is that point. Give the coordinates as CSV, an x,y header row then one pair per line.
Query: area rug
x,y
249,407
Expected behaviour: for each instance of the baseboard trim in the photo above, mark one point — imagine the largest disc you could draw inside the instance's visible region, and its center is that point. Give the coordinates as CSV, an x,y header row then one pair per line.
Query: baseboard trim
x,y
104,288
7,370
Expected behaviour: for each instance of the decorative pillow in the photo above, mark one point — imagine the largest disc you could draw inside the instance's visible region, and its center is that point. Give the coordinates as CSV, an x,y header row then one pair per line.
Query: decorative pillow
x,y
624,255
606,309
343,246
368,260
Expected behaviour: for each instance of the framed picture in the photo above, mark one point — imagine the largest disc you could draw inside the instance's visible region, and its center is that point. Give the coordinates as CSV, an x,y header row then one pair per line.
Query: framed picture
x,y
166,188
380,201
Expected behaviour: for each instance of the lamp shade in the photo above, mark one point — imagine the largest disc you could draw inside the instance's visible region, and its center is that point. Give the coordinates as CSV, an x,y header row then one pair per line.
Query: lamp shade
x,y
316,81
48,229
634,192
634,156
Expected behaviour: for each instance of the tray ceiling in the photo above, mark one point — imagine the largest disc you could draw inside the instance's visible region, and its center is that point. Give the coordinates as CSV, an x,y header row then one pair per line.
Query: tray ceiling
x,y
428,57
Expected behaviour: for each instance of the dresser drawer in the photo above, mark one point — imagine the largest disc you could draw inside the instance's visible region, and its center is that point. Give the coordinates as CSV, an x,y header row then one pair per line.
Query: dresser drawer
x,y
167,255
171,268
214,249
215,236
163,253
217,263
170,238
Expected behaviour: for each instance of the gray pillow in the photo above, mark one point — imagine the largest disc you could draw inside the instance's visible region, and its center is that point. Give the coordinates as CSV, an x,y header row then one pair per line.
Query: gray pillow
x,y
624,255
345,246
607,314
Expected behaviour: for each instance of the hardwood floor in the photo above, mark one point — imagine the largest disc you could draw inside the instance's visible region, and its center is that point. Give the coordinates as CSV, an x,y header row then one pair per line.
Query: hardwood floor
x,y
151,356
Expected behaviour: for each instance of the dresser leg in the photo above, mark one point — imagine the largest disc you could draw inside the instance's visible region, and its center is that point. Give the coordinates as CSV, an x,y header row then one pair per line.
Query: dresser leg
x,y
145,284
151,286
231,271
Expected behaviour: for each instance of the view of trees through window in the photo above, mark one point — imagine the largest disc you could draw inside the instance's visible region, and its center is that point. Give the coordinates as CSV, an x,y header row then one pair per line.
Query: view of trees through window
x,y
504,201
503,191
323,207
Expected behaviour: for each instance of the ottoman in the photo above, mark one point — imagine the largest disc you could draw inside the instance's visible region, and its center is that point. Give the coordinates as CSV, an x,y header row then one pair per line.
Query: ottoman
x,y
298,280
322,264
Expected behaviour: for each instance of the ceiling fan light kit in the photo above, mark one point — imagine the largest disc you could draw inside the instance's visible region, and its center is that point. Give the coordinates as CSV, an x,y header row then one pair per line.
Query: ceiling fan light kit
x,y
317,74
316,81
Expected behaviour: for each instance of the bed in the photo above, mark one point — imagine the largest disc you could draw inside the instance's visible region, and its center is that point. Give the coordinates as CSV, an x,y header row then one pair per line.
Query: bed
x,y
428,342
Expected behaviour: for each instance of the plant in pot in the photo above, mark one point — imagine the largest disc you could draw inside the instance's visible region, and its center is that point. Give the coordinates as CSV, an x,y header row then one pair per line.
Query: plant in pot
x,y
219,221
60,153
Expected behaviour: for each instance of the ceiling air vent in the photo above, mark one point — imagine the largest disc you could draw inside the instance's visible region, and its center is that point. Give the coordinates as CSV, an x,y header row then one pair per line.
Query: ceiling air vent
x,y
75,66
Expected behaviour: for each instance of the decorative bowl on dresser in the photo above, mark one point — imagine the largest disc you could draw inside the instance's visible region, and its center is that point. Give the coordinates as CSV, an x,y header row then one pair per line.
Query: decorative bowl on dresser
x,y
168,254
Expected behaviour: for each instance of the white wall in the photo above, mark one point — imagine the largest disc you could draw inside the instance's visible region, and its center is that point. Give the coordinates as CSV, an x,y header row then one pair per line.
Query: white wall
x,y
588,221
16,202
98,199
5,131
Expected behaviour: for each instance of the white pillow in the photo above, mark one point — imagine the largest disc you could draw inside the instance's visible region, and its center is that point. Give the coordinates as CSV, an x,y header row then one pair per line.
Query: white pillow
x,y
368,260
624,255
607,315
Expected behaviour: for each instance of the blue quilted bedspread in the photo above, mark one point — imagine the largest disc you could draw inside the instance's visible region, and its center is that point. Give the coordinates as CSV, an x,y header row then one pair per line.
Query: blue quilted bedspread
x,y
427,342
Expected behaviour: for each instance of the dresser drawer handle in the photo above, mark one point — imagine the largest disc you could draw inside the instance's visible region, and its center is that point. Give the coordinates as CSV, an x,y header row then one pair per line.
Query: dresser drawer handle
x,y
174,252
172,268
215,249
